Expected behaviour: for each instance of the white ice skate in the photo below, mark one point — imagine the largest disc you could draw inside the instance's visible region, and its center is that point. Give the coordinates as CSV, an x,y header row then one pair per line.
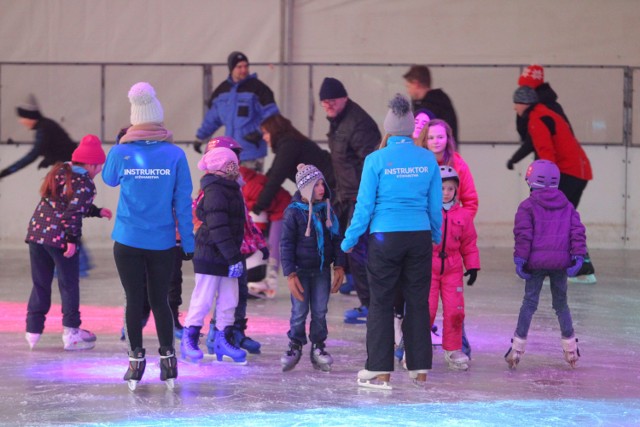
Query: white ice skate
x,y
320,358
374,379
457,360
571,351
73,340
419,377
291,357
32,339
515,352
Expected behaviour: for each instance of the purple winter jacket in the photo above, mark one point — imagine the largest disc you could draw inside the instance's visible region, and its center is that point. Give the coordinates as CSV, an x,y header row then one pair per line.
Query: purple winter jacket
x,y
548,231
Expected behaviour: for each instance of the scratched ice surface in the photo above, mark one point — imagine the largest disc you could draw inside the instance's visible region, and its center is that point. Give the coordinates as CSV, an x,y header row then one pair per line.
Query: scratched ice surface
x,y
48,386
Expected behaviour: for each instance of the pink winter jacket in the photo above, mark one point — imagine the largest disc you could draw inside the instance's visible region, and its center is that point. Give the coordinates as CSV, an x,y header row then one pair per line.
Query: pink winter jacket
x,y
459,243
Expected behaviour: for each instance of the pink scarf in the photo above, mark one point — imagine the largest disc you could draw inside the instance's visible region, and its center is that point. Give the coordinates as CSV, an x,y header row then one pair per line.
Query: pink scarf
x,y
147,132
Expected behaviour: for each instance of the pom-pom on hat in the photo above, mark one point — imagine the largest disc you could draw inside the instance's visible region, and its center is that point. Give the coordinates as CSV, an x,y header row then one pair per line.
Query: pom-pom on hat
x,y
221,160
89,151
145,107
399,119
306,178
234,58
332,88
29,109
532,76
525,95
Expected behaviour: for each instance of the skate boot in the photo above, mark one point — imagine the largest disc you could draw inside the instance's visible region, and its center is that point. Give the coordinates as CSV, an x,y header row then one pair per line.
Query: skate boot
x,y
291,357
457,360
32,339
514,354
72,339
374,379
347,287
356,315
243,341
419,377
87,336
168,366
137,364
224,350
571,351
189,349
320,358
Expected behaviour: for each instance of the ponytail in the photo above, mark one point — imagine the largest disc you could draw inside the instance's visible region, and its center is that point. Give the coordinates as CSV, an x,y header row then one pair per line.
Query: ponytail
x,y
50,183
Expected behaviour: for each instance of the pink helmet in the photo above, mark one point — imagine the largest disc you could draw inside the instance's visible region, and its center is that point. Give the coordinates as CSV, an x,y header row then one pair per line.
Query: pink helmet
x,y
543,174
224,141
447,172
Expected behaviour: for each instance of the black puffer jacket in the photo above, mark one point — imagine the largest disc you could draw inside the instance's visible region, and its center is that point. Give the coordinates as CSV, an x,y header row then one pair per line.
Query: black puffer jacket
x,y
289,153
439,103
219,238
298,251
353,135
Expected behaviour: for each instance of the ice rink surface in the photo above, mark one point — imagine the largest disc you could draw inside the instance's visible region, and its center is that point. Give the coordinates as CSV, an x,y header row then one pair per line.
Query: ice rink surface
x,y
48,386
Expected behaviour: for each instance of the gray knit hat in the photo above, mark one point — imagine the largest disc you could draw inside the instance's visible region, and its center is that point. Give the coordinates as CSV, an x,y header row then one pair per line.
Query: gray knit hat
x,y
29,109
399,119
525,95
306,179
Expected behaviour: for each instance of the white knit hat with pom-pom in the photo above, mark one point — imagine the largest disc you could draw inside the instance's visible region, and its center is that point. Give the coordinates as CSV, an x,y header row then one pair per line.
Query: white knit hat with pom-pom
x,y
145,107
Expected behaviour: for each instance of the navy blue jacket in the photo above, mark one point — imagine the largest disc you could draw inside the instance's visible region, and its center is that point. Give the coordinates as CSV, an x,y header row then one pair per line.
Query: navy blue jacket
x,y
219,238
300,252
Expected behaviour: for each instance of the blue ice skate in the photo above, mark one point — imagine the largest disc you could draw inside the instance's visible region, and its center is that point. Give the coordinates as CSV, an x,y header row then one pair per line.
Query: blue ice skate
x,y
189,349
356,315
225,351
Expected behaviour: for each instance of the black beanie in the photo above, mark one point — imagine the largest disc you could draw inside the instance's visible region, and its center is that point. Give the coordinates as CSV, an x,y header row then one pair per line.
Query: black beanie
x,y
331,89
29,109
234,58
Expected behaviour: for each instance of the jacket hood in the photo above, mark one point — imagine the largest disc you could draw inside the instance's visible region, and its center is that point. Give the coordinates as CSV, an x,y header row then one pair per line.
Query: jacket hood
x,y
549,198
546,95
209,179
438,97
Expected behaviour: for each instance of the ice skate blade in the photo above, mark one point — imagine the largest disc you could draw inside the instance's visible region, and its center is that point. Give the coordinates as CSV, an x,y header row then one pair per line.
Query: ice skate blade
x,y
383,385
459,366
192,360
355,321
227,359
132,384
170,383
323,368
80,345
588,279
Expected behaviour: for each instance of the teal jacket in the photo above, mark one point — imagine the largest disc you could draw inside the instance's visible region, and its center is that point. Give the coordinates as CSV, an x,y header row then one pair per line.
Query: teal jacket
x,y
400,190
155,193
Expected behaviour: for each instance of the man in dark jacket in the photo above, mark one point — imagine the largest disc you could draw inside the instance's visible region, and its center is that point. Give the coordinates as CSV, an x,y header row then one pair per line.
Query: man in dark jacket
x,y
418,83
52,142
353,135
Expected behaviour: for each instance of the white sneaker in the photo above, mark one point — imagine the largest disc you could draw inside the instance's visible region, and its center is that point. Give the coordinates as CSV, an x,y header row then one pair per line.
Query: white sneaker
x,y
73,340
32,339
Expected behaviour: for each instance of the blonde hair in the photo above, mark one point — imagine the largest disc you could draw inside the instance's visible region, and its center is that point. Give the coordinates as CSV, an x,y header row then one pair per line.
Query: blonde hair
x,y
450,148
385,139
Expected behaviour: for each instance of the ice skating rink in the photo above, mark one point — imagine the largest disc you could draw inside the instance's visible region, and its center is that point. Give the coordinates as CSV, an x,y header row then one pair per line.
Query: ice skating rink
x,y
48,386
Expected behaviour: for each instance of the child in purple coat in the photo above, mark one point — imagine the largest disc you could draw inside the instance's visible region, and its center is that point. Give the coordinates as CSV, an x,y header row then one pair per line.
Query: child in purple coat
x,y
549,241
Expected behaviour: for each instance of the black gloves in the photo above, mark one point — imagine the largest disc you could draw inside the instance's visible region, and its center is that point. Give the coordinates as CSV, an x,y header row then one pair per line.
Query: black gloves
x,y
510,164
265,252
197,145
253,137
187,256
473,275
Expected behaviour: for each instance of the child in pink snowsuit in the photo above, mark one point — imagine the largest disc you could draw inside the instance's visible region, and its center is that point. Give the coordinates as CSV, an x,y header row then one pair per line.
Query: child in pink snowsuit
x,y
457,247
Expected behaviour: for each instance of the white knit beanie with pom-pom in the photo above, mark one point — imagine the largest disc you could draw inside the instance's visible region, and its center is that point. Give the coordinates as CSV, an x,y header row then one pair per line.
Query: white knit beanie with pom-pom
x,y
399,120
145,107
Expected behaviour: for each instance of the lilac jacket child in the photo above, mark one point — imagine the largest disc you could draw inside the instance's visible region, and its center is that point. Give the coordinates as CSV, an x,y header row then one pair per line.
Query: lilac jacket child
x,y
549,241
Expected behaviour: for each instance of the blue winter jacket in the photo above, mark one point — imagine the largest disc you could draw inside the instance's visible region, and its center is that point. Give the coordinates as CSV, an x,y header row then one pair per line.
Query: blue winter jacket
x,y
400,190
155,182
240,107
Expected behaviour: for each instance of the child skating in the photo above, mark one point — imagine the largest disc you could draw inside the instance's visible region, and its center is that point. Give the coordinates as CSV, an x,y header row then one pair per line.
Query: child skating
x,y
456,250
53,237
549,241
309,244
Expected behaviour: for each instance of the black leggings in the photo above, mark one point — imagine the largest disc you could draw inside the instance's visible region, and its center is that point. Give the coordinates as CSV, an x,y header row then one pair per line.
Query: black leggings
x,y
133,264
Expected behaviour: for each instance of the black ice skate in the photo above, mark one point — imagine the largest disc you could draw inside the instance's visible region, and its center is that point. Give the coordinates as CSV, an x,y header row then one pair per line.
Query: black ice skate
x,y
137,364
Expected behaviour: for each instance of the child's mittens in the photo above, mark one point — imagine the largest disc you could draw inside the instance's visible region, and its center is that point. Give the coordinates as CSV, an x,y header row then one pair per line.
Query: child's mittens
x,y
473,275
236,270
520,268
576,266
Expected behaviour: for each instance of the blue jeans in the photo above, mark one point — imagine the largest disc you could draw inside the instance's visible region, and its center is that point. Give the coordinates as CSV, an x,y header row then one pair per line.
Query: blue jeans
x,y
317,287
531,298
43,261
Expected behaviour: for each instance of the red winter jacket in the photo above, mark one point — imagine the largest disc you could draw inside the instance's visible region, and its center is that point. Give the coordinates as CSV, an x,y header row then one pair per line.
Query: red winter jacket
x,y
254,183
459,243
553,140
